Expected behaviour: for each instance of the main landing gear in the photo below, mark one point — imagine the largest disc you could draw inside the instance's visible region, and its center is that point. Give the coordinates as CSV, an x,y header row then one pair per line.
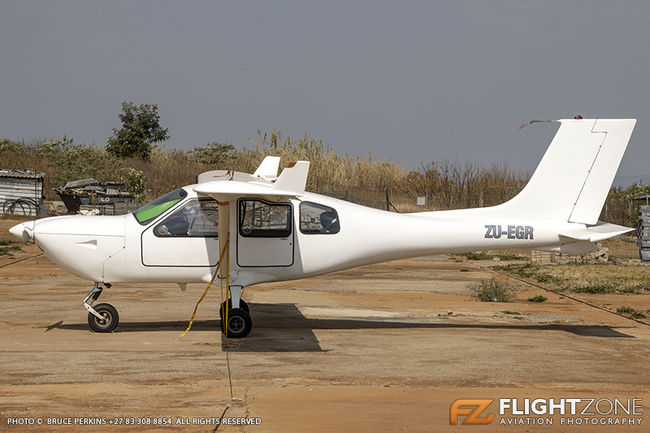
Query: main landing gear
x,y
237,313
102,317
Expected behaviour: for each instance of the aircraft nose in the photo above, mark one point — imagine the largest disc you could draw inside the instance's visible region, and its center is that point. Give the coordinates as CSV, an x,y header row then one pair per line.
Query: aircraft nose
x,y
17,230
24,231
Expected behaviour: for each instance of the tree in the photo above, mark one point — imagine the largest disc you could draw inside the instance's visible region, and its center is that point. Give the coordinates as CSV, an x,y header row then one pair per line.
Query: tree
x,y
140,130
215,154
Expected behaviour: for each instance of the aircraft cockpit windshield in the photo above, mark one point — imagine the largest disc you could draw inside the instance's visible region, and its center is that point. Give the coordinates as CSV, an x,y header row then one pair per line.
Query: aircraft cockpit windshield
x,y
152,210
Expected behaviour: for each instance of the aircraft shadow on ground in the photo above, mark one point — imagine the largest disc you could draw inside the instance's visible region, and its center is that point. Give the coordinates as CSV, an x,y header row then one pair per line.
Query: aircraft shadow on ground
x,y
283,328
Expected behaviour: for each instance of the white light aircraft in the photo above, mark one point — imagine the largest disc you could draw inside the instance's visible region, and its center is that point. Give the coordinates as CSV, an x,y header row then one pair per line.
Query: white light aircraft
x,y
278,231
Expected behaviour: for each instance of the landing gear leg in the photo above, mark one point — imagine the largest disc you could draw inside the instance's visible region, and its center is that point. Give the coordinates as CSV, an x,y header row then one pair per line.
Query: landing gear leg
x,y
102,317
236,314
235,301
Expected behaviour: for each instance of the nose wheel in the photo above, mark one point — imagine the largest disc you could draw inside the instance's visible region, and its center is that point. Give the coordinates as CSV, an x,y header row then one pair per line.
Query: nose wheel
x,y
102,317
109,319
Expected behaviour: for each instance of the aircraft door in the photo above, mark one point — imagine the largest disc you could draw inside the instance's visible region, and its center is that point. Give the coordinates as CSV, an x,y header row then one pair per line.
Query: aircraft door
x,y
264,233
186,237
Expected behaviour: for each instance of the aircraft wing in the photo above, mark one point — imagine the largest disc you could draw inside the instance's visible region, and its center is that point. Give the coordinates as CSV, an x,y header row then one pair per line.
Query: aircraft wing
x,y
290,183
226,190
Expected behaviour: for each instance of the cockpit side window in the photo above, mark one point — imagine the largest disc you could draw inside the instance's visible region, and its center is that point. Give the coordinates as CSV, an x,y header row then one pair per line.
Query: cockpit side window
x,y
259,219
318,219
153,210
197,218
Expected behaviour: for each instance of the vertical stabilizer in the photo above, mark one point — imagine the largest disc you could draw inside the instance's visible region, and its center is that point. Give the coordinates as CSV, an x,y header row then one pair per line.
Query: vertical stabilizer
x,y
573,178
268,169
293,178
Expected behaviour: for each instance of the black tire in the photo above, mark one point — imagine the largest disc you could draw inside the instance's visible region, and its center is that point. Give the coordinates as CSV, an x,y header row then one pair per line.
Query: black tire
x,y
242,304
239,323
111,318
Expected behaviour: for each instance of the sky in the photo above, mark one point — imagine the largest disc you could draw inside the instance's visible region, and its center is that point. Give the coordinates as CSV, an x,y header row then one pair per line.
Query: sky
x,y
407,81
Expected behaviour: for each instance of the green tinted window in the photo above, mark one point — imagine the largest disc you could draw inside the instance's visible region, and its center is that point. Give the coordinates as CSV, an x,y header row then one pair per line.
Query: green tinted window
x,y
196,218
151,211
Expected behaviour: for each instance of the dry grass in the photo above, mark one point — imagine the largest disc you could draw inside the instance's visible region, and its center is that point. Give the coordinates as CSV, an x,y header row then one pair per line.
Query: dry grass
x,y
367,181
604,279
593,279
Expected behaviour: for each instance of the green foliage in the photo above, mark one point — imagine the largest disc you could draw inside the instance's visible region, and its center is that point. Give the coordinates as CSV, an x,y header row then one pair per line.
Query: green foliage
x,y
215,154
7,248
530,271
617,206
475,255
510,256
538,298
595,288
75,161
10,146
140,130
484,255
492,291
526,270
134,180
629,311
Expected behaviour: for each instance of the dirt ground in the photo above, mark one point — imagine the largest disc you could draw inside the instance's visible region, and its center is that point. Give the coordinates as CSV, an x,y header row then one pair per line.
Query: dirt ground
x,y
382,348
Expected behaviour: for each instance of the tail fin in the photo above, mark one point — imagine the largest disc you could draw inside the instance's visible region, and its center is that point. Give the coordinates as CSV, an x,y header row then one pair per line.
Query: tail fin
x,y
268,169
573,178
293,178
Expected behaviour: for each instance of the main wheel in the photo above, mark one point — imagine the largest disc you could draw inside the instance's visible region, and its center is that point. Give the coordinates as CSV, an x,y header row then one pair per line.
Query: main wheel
x,y
239,323
109,321
242,304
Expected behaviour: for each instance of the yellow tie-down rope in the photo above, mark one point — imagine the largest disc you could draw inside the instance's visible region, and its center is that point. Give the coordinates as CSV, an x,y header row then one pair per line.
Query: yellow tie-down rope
x,y
224,252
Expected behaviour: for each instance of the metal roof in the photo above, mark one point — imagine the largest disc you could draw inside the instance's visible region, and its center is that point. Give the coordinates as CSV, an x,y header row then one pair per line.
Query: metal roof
x,y
22,174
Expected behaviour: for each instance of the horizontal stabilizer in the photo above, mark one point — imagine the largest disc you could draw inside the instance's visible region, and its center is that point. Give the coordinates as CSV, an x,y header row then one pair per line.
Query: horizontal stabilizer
x,y
293,178
596,232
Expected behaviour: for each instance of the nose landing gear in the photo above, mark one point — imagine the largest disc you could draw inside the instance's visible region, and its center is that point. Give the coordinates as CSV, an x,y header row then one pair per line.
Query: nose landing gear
x,y
103,317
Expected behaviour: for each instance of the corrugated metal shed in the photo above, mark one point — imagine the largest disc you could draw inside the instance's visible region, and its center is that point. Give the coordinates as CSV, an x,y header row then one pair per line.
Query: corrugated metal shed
x,y
21,192
22,174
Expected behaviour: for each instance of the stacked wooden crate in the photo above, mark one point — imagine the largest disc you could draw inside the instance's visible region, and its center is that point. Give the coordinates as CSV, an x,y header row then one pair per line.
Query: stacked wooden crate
x,y
643,233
